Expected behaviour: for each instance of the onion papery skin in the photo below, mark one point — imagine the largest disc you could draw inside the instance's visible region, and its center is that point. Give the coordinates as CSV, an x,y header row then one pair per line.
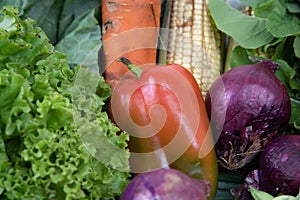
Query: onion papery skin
x,y
256,106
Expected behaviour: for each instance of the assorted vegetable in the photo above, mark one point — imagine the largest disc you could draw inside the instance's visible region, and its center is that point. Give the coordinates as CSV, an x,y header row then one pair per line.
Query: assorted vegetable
x,y
42,155
271,32
58,120
256,107
163,110
264,30
167,184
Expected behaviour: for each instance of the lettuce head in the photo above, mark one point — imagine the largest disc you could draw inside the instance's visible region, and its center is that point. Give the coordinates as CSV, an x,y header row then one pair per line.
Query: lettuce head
x,y
56,140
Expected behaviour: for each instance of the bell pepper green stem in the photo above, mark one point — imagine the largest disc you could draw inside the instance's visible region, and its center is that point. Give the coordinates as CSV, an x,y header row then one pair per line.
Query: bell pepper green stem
x,y
132,67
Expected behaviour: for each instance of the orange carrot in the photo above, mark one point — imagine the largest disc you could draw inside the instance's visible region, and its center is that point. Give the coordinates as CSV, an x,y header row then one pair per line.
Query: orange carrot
x,y
130,29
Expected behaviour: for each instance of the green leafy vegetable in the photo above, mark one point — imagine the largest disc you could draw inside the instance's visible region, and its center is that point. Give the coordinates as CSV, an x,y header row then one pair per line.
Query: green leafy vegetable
x,y
80,41
260,195
280,22
250,32
71,26
239,57
45,115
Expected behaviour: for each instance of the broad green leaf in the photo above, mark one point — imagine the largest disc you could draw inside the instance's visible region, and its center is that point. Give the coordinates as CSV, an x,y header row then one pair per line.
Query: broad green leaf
x,y
293,7
264,9
250,32
253,3
285,51
298,196
239,56
283,24
260,195
297,46
284,73
272,44
92,60
294,120
46,14
279,22
285,197
72,13
295,81
80,42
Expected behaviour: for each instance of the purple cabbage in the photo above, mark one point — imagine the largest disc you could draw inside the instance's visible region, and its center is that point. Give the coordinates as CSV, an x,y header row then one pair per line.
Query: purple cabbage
x,y
167,184
248,106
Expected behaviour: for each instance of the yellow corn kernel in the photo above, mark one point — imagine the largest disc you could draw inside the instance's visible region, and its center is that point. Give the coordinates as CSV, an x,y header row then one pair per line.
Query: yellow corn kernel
x,y
194,42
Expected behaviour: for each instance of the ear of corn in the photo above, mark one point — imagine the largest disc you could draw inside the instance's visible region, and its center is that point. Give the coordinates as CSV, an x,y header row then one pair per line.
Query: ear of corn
x,y
194,42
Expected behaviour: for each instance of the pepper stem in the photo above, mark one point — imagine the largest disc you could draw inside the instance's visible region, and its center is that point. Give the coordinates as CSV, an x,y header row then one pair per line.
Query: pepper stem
x,y
132,67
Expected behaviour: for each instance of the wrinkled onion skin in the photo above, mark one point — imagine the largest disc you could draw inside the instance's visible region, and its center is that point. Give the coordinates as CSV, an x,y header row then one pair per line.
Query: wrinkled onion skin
x,y
257,109
166,184
280,166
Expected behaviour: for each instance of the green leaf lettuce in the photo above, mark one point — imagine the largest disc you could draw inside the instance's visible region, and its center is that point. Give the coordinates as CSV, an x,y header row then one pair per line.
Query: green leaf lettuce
x,y
45,116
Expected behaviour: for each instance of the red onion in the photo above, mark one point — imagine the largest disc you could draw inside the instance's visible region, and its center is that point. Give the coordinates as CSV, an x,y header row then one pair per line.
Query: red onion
x,y
280,166
166,184
248,106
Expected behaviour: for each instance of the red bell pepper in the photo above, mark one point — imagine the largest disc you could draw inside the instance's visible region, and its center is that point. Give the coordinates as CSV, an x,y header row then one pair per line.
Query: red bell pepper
x,y
163,110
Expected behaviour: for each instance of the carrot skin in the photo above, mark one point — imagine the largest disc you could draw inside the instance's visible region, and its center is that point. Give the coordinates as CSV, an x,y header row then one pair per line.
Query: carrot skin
x,y
130,28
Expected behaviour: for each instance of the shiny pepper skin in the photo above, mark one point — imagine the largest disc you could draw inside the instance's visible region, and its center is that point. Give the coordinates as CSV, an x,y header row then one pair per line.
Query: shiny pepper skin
x,y
163,110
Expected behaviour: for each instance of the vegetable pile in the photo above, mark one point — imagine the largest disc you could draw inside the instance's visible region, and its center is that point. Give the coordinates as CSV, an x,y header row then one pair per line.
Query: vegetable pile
x,y
42,153
271,32
73,118
265,31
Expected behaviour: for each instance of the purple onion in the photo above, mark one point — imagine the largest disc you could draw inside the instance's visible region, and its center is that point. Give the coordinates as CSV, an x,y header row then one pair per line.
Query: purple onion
x,y
166,184
280,166
248,106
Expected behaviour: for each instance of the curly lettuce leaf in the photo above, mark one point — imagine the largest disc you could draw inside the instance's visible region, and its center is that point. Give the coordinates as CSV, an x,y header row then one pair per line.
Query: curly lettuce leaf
x,y
42,151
